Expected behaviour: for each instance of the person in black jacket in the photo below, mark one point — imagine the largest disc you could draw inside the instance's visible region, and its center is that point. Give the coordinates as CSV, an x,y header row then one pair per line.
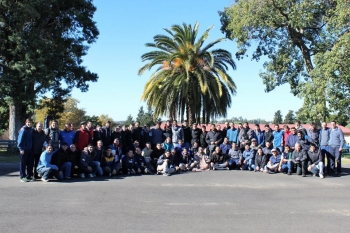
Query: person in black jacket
x,y
195,134
137,134
74,158
130,166
202,137
315,164
165,164
213,138
107,134
39,139
167,132
98,134
143,165
61,159
187,134
268,134
127,135
219,161
117,134
300,159
186,160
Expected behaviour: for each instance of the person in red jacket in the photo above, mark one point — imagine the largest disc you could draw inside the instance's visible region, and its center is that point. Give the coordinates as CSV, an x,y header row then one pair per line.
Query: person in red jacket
x,y
82,137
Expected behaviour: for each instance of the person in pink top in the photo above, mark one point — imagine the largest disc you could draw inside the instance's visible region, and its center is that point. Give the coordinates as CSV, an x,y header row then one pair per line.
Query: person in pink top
x,y
287,132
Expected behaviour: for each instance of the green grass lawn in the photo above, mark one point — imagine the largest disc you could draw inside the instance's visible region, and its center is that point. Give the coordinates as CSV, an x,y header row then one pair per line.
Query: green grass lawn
x,y
6,157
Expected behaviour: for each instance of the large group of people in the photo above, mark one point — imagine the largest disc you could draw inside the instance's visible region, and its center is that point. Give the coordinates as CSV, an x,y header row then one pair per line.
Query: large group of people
x,y
102,151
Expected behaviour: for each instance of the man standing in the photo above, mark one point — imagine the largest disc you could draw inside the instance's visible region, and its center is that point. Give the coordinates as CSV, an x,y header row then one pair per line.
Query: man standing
x,y
232,134
336,142
178,133
259,136
213,138
25,144
195,134
53,135
324,144
245,133
268,136
187,134
137,133
313,134
39,139
202,137
286,134
292,138
278,138
107,134
157,135
82,137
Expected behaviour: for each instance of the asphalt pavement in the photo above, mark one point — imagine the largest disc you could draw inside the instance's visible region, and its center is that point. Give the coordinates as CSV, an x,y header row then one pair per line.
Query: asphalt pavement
x,y
215,201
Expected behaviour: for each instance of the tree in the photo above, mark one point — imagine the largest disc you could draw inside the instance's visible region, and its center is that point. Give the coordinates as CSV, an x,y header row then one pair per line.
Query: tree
x,y
42,45
307,45
94,119
146,118
289,118
189,79
129,120
104,118
277,119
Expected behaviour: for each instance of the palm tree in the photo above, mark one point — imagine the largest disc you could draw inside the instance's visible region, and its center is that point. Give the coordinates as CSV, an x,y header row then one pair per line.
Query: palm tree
x,y
188,77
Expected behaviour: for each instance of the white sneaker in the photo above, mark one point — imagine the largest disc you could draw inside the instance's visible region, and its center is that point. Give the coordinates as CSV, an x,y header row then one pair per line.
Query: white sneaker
x,y
91,175
82,175
321,176
146,170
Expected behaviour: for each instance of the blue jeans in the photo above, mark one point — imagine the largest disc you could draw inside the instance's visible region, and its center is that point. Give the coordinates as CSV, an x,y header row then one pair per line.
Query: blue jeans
x,y
44,172
65,170
286,167
335,159
318,169
233,162
26,164
99,171
249,165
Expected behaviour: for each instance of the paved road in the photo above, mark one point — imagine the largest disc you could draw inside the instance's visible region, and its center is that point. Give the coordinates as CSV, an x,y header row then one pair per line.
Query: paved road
x,y
219,201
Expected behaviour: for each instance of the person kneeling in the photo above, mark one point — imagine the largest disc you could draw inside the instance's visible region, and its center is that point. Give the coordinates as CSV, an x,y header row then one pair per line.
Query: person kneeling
x,y
44,166
219,161
109,164
247,161
315,161
165,164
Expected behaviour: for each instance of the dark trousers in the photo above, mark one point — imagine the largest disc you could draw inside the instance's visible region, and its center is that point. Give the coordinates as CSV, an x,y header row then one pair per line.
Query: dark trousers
x,y
335,159
301,167
26,164
325,154
36,162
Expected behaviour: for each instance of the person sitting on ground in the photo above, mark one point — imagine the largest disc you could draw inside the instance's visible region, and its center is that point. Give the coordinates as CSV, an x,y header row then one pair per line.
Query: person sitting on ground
x,y
129,165
45,167
99,152
194,148
87,164
235,156
225,146
247,160
108,163
186,160
315,164
259,160
146,153
165,164
300,160
219,160
274,162
168,144
254,145
156,153
201,160
74,158
140,162
61,159
267,151
180,146
286,161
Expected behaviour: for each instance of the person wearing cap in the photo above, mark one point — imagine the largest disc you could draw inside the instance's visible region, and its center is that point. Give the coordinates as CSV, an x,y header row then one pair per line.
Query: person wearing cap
x,y
248,160
299,159
82,137
235,155
219,160
274,162
254,145
315,164
61,159
286,161
67,135
165,164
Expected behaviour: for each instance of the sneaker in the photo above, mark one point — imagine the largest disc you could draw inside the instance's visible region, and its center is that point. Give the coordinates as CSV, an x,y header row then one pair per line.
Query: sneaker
x,y
82,175
91,175
44,180
24,179
314,175
30,179
166,174
289,173
303,175
146,171
321,176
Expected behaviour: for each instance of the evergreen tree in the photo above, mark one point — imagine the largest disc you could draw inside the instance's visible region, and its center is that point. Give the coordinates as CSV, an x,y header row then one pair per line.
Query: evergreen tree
x,y
277,119
129,120
289,118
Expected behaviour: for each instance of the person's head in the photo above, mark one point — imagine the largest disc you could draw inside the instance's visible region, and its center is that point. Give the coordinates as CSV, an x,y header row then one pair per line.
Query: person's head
x,y
195,144
174,122
49,148
257,127
194,126
225,140
136,143
260,151
131,127
212,127
173,151
168,123
297,124
184,151
246,146
204,128
234,145
98,127
232,125
130,153
138,150
168,140
159,146
73,147
226,124
267,127
324,125
333,124
109,151
90,148
116,142
180,142
217,150
64,146
312,147
287,149
89,124
184,123
218,127
123,127
293,130
148,145
157,125
245,124
167,153
137,124
300,134
54,124
267,144
200,149
83,125
117,129
254,143
99,144
313,125
39,126
240,125
297,146
274,152
286,127
72,126
108,124
67,127
277,127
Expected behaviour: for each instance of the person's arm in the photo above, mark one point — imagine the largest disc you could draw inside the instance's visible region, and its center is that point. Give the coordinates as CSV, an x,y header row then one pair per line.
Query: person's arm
x,y
83,159
207,139
319,158
341,135
304,156
20,140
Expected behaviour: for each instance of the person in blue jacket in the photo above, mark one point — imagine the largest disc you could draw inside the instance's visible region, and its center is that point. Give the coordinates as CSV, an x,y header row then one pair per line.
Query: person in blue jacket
x,y
45,167
25,145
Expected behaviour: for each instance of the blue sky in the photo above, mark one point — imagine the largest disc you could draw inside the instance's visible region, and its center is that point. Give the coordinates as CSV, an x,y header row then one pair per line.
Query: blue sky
x,y
125,27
